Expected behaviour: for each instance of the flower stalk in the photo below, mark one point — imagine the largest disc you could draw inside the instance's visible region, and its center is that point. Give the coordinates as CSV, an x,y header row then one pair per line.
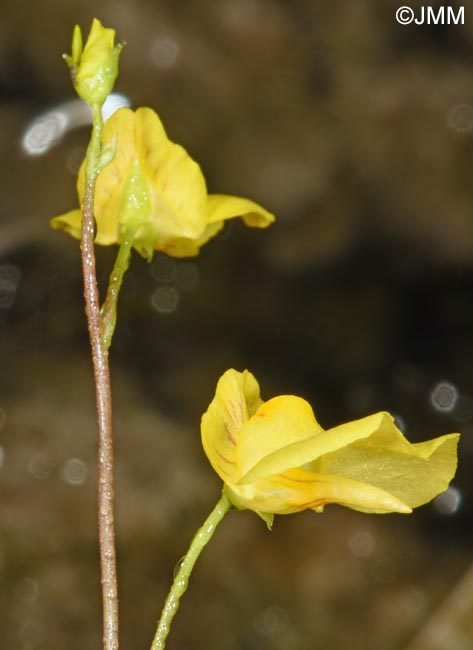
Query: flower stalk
x,y
203,536
103,394
108,312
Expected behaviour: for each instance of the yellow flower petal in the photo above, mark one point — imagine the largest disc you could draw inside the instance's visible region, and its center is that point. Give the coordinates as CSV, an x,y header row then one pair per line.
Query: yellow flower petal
x,y
306,451
237,397
279,424
414,473
187,247
69,222
111,191
177,184
221,207
297,489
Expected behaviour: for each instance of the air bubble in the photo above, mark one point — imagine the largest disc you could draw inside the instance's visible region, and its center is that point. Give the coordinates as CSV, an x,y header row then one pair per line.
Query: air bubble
x,y
74,471
400,422
270,620
460,118
44,132
178,566
444,397
361,543
449,502
113,103
414,602
165,300
164,52
39,467
47,129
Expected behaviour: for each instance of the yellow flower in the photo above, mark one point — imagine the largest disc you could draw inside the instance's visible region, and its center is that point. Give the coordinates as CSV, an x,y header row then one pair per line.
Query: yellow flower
x,y
94,68
154,192
275,458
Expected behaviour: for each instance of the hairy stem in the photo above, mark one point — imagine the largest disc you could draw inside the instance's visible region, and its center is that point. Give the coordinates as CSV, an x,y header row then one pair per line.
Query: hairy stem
x,y
103,395
109,307
203,536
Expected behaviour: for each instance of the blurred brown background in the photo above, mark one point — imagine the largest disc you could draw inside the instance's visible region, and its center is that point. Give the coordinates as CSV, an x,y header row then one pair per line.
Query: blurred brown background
x,y
357,133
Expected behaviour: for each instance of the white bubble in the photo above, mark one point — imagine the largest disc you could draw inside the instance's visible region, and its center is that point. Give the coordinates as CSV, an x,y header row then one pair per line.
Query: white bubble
x,y
39,466
164,52
449,502
9,279
460,118
74,471
444,397
165,300
270,620
47,129
178,566
361,543
400,422
113,103
44,132
414,602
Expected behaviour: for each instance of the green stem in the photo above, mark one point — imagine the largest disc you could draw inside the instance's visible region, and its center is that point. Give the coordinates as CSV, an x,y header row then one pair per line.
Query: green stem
x,y
103,393
203,536
108,312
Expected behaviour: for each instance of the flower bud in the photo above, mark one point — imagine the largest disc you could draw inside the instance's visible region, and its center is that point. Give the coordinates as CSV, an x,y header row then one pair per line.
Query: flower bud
x,y
94,67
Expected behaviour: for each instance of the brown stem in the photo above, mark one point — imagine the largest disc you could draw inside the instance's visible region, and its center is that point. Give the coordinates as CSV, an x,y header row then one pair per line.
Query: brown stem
x,y
103,397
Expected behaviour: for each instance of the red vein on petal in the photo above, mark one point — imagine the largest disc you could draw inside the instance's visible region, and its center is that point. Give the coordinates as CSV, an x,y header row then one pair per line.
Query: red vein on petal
x,y
229,434
230,462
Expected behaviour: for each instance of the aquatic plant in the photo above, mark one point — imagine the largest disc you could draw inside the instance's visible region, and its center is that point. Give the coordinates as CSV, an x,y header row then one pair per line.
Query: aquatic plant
x,y
139,190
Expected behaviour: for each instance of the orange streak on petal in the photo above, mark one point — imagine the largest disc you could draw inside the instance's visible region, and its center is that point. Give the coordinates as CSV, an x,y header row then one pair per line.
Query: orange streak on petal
x,y
230,462
300,480
230,437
